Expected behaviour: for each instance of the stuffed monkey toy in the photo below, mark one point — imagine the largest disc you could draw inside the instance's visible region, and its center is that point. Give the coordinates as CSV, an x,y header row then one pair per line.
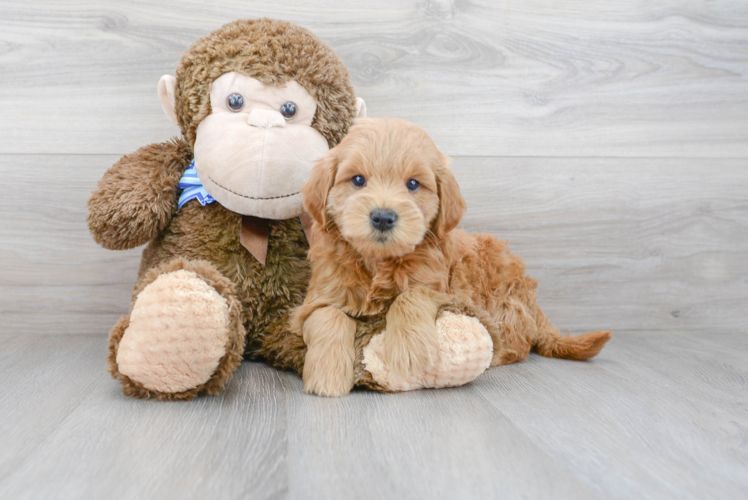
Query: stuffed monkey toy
x,y
220,211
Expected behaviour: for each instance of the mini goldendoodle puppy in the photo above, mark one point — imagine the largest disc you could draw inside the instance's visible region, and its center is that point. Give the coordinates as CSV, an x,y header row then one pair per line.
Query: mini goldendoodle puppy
x,y
385,206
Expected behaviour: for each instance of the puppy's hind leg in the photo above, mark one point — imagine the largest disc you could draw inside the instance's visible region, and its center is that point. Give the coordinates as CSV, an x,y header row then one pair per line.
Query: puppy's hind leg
x,y
550,343
517,328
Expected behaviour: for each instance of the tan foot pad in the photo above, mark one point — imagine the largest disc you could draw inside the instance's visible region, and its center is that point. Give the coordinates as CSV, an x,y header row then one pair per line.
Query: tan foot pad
x,y
177,335
465,351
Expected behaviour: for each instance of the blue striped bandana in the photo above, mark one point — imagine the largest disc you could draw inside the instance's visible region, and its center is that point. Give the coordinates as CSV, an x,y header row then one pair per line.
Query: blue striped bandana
x,y
193,188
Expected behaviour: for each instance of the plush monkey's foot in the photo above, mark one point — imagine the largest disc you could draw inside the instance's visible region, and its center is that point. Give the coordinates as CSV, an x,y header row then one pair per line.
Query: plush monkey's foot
x,y
465,351
175,342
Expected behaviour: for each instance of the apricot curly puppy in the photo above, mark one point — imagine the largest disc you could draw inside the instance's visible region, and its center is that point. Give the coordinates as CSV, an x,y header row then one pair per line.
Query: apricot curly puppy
x,y
385,206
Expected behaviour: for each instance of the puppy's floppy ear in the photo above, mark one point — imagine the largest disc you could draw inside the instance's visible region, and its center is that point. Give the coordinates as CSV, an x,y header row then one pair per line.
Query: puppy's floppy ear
x,y
451,203
315,191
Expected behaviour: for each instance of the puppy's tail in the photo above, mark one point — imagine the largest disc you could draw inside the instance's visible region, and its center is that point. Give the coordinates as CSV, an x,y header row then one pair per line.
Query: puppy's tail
x,y
552,344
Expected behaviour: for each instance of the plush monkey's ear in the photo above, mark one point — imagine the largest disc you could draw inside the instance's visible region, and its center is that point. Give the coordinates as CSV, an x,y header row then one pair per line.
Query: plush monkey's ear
x,y
451,203
360,108
315,191
166,86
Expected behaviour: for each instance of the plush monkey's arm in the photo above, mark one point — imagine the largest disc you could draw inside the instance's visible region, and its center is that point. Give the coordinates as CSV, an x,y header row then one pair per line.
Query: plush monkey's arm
x,y
137,197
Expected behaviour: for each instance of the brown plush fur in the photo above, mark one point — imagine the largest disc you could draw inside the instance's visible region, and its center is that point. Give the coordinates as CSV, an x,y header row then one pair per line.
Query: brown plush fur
x,y
137,197
362,271
136,200
274,52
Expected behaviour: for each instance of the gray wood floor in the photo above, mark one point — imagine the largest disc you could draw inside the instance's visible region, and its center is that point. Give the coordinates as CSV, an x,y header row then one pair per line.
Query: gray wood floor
x,y
608,142
654,416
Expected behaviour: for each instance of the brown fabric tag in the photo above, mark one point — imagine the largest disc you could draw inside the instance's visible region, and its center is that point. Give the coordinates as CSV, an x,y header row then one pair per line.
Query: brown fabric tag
x,y
306,224
254,236
256,231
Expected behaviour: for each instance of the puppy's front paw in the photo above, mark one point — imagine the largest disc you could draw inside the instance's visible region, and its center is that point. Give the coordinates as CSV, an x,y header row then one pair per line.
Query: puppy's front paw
x,y
328,365
326,375
464,351
410,350
325,379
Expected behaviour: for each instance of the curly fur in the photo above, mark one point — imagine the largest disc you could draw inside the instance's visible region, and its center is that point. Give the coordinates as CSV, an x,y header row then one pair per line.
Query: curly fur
x,y
362,272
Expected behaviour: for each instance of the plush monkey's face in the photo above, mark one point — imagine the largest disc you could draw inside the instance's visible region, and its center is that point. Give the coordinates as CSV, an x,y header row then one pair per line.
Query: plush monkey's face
x,y
256,149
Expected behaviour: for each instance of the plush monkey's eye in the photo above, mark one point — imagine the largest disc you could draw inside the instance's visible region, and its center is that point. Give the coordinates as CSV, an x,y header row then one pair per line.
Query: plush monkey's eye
x,y
358,181
288,110
412,185
235,102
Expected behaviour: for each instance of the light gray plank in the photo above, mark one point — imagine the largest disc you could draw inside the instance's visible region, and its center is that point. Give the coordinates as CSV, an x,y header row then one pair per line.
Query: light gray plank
x,y
622,244
654,416
53,277
666,415
484,78
43,380
99,444
425,444
65,309
244,444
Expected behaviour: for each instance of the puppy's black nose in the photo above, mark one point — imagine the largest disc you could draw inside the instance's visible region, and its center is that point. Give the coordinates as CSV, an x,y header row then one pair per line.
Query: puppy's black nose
x,y
383,220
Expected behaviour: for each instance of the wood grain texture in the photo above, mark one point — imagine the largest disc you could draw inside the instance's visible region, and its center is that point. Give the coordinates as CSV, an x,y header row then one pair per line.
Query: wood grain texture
x,y
680,401
44,379
621,244
53,277
450,445
655,416
100,444
607,143
531,78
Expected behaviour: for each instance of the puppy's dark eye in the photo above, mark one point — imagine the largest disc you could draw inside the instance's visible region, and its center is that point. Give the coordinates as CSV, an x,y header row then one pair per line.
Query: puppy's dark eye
x,y
235,102
288,110
358,181
412,185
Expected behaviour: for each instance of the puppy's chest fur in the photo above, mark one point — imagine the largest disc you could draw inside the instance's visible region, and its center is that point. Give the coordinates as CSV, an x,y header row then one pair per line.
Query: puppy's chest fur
x,y
378,283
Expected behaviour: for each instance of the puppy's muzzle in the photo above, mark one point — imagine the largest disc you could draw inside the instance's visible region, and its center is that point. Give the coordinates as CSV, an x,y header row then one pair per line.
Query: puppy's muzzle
x,y
383,220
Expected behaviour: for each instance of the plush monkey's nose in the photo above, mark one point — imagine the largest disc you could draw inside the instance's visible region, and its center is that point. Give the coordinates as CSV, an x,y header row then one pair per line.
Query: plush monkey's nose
x,y
383,220
266,118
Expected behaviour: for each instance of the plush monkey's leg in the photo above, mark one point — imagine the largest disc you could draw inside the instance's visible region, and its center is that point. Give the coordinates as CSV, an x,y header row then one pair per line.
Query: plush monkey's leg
x,y
184,334
467,342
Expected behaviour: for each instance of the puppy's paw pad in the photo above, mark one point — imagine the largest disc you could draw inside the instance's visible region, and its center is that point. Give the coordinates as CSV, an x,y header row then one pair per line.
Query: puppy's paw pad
x,y
177,335
327,372
328,391
320,383
327,383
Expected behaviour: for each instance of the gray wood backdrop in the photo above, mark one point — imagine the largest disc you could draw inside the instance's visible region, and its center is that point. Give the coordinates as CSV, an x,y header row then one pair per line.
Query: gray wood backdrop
x,y
608,143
